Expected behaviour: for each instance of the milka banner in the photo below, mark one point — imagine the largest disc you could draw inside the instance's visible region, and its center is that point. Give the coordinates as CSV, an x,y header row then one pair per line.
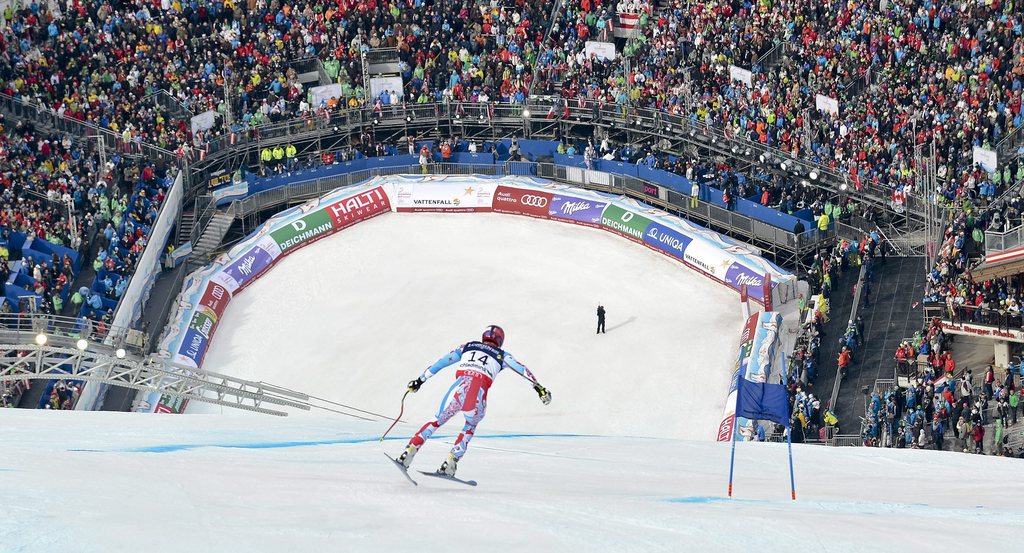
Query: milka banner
x,y
207,292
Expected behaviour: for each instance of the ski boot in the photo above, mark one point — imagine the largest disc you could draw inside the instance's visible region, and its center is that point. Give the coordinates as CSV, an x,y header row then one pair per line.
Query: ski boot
x,y
449,466
406,457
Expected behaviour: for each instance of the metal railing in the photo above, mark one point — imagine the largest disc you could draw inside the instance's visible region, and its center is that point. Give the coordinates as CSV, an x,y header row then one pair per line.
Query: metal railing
x,y
1001,241
1009,145
739,224
853,316
382,55
16,328
998,318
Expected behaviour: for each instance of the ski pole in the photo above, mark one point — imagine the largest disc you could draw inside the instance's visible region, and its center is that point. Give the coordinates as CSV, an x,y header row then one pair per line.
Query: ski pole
x,y
399,417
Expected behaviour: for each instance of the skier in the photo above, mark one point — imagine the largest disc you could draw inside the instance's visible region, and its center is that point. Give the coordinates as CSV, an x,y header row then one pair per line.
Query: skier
x,y
600,319
478,364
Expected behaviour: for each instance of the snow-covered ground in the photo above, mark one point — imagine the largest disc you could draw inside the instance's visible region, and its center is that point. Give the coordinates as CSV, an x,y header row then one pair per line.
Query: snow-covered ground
x,y
354,317
604,468
123,482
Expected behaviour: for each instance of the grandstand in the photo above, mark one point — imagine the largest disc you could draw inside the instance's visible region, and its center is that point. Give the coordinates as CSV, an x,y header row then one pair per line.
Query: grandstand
x,y
875,152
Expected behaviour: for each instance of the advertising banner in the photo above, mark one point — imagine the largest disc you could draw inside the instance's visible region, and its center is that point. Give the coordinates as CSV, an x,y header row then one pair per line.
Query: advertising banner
x,y
725,428
625,223
349,211
171,404
388,84
442,196
667,240
246,268
739,275
576,210
519,201
308,228
193,347
215,297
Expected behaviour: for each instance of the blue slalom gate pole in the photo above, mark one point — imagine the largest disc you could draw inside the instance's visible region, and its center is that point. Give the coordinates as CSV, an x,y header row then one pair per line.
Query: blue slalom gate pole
x,y
792,481
732,456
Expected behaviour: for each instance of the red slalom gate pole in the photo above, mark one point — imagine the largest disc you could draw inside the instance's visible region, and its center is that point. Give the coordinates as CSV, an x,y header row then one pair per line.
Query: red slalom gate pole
x,y
398,418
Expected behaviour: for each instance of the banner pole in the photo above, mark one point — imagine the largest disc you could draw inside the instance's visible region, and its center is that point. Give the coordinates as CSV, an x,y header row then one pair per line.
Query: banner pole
x,y
792,481
732,455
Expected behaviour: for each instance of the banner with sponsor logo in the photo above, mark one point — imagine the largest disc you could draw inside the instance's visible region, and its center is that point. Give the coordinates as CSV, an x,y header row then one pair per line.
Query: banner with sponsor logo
x,y
443,196
667,240
625,223
516,201
582,211
758,363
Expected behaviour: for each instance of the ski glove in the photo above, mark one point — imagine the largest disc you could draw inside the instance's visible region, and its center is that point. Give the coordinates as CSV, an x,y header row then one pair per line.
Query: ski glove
x,y
545,395
414,385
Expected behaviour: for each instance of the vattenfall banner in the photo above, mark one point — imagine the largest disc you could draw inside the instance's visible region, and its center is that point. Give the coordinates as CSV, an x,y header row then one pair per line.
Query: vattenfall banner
x,y
207,292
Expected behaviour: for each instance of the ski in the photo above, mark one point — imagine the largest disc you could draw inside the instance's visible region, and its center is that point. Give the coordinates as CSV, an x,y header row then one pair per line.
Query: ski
x,y
404,470
446,477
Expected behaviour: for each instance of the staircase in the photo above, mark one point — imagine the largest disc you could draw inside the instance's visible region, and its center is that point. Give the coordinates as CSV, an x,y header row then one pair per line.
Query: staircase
x,y
895,313
212,236
185,226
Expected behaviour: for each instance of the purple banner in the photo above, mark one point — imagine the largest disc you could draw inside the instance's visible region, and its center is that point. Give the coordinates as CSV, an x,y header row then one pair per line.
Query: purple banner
x,y
738,275
579,210
194,346
249,265
667,240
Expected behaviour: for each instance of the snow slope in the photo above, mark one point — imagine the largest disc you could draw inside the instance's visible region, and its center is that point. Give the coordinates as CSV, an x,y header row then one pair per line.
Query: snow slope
x,y
123,482
354,317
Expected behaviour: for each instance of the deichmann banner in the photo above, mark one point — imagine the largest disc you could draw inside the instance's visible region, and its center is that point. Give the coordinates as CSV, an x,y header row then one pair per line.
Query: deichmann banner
x,y
625,223
208,291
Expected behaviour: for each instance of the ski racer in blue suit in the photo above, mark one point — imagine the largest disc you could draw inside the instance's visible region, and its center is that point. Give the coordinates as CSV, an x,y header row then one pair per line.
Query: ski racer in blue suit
x,y
478,364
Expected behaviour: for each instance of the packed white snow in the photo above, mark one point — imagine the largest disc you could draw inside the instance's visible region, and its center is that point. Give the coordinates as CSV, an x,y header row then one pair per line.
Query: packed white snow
x,y
129,482
356,316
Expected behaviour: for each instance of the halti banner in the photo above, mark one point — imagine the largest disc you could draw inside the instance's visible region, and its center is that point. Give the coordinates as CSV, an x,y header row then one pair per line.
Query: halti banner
x,y
349,211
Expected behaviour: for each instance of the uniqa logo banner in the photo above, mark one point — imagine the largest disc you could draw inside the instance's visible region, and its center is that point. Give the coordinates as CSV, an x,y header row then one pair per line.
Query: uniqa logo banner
x,y
667,240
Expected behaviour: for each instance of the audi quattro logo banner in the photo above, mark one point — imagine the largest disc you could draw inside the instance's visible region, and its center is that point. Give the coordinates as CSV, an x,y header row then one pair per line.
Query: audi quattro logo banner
x,y
577,210
466,196
517,201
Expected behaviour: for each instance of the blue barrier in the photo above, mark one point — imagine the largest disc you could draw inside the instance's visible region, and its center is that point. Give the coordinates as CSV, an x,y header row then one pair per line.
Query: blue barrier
x,y
533,150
